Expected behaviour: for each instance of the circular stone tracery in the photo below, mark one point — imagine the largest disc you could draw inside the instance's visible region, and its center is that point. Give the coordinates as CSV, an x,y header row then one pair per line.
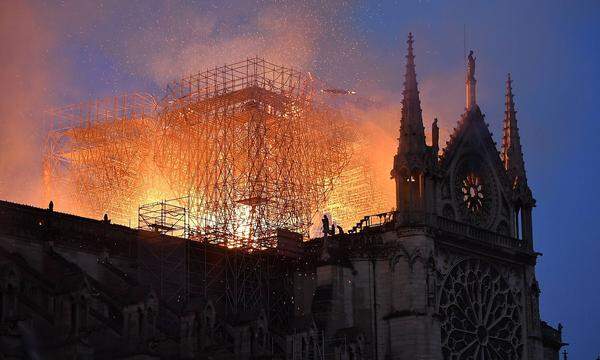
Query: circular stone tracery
x,y
475,191
480,314
472,190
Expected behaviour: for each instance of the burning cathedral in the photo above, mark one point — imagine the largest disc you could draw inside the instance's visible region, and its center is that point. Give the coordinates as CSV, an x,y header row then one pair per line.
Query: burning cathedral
x,y
448,274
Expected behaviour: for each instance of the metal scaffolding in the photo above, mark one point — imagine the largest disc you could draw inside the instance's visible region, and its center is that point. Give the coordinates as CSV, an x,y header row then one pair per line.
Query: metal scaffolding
x,y
252,149
242,282
94,158
165,216
250,145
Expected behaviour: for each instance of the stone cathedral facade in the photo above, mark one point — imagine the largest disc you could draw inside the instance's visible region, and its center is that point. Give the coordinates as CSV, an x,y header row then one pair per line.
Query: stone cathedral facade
x,y
448,275
451,273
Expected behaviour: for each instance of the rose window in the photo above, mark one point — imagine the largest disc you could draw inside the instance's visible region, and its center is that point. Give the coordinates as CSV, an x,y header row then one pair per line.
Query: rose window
x,y
472,192
480,314
475,192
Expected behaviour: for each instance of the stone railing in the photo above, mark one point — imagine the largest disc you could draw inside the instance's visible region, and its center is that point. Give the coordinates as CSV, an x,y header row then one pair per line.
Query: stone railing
x,y
385,221
392,219
479,234
371,221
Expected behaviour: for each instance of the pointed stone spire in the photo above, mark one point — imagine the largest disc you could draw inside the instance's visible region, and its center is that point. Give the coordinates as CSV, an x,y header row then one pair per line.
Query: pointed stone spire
x,y
410,161
412,132
512,154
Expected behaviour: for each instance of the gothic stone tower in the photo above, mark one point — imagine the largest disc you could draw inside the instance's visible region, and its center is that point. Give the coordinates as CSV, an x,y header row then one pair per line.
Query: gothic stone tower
x,y
463,221
451,273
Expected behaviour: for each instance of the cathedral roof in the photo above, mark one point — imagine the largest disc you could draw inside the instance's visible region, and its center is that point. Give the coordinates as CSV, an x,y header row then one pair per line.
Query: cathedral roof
x,y
472,123
55,273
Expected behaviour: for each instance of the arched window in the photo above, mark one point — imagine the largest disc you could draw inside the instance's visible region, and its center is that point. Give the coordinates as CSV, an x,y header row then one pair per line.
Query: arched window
x,y
421,184
404,189
517,221
416,189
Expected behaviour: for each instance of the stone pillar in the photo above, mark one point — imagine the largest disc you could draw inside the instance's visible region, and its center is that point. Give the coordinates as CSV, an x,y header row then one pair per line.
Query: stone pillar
x,y
535,347
340,280
414,329
471,93
526,226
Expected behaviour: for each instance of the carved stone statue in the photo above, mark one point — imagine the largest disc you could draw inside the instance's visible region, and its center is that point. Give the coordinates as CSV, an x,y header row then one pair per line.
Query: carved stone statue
x,y
471,66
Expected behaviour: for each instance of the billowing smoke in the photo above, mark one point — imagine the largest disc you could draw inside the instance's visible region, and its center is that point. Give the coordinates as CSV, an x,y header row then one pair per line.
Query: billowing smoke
x,y
151,43
27,76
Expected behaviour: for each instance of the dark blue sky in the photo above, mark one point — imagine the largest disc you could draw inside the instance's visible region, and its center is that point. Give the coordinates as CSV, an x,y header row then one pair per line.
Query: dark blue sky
x,y
69,51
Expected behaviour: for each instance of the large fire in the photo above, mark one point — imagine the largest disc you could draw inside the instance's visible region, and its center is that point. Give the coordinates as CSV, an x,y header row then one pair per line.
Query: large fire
x,y
246,149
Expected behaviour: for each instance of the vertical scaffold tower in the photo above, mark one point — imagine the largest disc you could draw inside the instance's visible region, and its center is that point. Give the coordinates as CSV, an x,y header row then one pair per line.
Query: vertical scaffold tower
x,y
252,150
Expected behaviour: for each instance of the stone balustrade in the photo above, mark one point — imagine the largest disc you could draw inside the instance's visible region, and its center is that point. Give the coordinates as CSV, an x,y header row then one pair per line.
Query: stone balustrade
x,y
390,219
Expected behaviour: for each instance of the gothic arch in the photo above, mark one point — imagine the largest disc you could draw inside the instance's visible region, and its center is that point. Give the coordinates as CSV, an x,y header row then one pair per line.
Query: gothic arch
x,y
411,258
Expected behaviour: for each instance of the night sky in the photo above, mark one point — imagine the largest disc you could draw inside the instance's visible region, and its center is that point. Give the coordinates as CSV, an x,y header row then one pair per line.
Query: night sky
x,y
58,53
